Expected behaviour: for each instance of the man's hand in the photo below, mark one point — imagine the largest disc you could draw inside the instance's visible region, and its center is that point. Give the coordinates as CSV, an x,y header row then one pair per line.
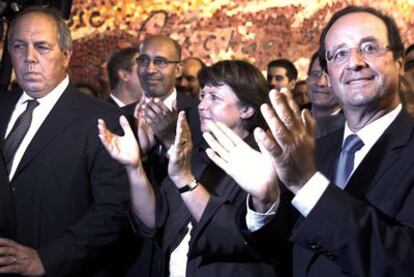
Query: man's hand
x,y
145,134
292,141
251,169
18,259
124,148
162,121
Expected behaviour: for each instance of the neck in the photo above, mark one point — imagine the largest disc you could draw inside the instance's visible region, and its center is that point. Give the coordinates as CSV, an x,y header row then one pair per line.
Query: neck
x,y
126,96
318,111
357,119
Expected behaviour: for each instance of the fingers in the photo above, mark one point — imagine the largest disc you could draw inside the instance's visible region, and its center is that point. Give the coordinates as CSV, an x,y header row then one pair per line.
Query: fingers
x,y
155,111
8,256
182,132
217,148
309,122
125,126
266,143
220,132
284,112
216,159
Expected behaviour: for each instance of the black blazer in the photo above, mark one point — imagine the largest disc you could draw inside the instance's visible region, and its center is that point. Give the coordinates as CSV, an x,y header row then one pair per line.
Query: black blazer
x,y
69,197
366,229
173,218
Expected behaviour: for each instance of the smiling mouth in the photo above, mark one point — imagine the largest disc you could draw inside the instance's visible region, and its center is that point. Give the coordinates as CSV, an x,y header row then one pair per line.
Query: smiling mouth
x,y
359,80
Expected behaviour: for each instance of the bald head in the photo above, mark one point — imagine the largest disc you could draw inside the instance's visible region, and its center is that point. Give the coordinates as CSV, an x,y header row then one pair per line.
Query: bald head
x,y
160,65
152,40
188,83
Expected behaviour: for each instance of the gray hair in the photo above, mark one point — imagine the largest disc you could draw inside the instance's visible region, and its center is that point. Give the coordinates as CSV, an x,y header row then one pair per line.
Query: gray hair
x,y
63,32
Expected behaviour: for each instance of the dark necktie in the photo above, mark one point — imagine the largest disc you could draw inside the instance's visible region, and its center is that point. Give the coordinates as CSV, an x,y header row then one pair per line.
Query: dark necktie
x,y
345,163
18,132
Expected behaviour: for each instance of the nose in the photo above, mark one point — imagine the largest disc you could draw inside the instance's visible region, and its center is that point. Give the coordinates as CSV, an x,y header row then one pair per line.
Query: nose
x,y
31,55
151,67
356,61
202,105
323,80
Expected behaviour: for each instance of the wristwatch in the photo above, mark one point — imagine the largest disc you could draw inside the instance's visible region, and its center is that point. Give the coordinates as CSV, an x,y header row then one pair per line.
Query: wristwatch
x,y
189,186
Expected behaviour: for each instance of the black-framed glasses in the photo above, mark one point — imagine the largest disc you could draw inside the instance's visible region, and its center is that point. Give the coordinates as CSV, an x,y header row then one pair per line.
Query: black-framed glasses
x,y
161,62
367,49
409,65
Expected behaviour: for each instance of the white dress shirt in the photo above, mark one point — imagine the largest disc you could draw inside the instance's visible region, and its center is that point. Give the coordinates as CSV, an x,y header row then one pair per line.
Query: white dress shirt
x,y
117,100
39,115
307,197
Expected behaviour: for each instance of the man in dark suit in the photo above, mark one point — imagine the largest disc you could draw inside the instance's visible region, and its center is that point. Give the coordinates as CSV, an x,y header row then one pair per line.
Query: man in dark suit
x,y
123,77
66,198
353,206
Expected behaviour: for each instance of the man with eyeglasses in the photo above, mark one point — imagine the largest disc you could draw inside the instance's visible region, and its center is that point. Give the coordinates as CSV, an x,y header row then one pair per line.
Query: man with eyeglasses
x,y
409,65
353,190
325,108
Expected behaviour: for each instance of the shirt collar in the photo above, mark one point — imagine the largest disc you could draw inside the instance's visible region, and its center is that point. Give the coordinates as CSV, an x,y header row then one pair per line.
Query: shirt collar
x,y
170,100
370,133
117,100
51,97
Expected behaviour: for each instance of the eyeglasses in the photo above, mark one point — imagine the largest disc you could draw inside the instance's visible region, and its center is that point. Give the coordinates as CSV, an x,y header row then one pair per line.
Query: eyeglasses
x,y
409,65
160,62
317,74
368,51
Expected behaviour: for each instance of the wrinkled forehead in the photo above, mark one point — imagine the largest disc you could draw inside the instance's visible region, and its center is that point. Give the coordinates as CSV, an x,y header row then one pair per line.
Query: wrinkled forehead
x,y
35,24
353,28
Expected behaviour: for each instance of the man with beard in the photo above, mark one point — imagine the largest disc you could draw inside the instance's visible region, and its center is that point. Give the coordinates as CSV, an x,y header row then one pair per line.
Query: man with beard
x,y
188,83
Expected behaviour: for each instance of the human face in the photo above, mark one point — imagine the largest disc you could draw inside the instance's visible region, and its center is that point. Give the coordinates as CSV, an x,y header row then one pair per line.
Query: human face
x,y
318,89
132,82
277,79
409,67
188,83
155,80
39,62
300,94
220,104
362,83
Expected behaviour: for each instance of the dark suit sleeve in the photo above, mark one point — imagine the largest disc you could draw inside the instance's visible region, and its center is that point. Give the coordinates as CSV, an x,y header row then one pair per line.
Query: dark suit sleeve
x,y
359,237
105,218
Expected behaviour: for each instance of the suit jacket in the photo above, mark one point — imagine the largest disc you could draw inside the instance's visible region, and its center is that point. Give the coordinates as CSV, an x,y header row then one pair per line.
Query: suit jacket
x,y
366,229
173,218
328,124
68,196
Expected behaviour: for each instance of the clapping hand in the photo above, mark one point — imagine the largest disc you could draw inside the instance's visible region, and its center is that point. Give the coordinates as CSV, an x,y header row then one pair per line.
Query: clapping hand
x,y
253,170
124,148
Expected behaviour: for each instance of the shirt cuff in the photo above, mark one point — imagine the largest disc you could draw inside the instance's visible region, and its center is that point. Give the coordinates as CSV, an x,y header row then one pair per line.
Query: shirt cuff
x,y
307,197
255,220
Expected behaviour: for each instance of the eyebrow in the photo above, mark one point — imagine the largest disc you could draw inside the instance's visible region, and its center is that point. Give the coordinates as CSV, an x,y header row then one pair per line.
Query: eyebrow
x,y
365,39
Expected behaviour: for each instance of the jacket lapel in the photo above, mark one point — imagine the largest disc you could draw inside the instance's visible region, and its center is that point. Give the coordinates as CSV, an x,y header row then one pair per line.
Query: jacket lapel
x,y
6,109
385,153
59,118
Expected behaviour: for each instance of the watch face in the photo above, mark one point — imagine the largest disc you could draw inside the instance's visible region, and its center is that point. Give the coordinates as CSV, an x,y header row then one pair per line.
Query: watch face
x,y
189,187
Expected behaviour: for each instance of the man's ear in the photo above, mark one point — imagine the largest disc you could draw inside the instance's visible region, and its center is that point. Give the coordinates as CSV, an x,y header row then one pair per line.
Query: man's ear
x,y
179,70
292,85
400,62
66,58
247,112
123,74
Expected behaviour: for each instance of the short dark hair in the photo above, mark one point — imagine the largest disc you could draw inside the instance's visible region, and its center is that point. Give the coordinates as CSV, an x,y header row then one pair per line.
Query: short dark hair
x,y
291,71
312,60
120,59
63,31
246,81
394,37
409,49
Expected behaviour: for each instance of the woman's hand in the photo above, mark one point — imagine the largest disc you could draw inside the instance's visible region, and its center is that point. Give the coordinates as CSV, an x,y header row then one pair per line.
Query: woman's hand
x,y
179,166
124,148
